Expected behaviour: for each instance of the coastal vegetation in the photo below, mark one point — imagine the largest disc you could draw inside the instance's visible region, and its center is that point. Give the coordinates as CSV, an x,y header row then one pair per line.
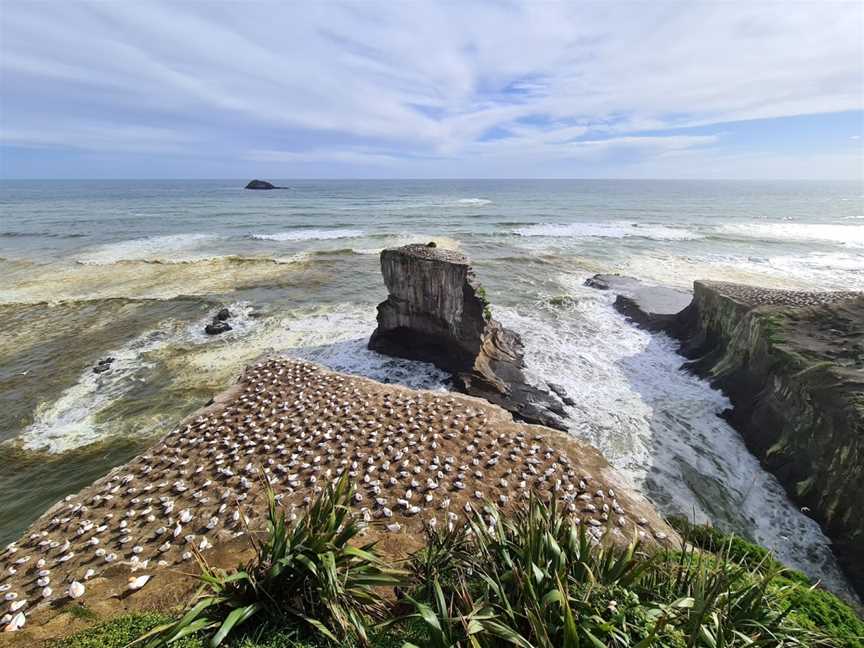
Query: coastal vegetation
x,y
531,578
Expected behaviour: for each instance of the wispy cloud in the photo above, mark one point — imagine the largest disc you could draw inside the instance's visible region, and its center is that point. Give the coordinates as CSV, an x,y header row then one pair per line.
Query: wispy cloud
x,y
429,85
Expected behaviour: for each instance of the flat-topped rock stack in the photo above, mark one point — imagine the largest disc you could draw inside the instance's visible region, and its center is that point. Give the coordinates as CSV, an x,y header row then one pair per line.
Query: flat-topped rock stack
x,y
417,458
436,311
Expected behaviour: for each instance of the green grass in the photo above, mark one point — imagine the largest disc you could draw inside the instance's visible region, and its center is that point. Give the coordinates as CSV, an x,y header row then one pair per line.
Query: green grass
x,y
812,607
81,612
487,307
121,631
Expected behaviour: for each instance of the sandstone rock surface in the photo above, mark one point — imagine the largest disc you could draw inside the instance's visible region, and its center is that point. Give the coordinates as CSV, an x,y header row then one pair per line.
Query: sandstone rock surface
x,y
437,312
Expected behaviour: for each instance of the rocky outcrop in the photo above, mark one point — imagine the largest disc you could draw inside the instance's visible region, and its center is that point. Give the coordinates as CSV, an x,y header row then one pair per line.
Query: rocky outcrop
x,y
261,184
437,312
103,365
219,324
792,364
649,306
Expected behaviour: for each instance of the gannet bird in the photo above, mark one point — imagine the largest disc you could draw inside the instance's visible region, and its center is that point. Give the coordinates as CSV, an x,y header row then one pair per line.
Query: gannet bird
x,y
136,583
76,590
16,623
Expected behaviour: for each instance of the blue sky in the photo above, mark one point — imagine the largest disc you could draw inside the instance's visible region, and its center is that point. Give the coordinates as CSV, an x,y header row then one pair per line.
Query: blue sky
x,y
411,89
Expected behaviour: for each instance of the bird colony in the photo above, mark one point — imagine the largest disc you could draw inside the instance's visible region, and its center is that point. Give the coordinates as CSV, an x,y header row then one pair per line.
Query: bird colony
x,y
417,458
758,296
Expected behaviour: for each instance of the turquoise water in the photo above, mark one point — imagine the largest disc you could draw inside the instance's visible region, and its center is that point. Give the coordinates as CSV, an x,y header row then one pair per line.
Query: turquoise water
x,y
134,269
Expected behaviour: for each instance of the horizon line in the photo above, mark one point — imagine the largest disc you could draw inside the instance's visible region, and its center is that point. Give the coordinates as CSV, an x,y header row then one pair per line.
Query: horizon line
x,y
474,179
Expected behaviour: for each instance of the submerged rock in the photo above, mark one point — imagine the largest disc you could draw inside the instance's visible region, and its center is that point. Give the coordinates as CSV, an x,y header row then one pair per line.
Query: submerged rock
x,y
562,394
103,365
649,306
437,312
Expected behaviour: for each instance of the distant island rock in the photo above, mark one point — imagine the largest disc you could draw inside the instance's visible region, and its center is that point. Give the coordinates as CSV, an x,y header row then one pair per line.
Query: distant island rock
x,y
262,184
437,312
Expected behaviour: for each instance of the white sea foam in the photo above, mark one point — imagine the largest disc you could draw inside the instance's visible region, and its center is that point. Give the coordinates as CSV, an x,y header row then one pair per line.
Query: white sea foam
x,y
168,247
73,420
309,235
848,235
334,336
338,339
660,427
614,229
474,202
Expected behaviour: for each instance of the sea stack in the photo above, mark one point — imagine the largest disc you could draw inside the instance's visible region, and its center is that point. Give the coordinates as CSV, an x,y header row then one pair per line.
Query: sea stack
x,y
437,312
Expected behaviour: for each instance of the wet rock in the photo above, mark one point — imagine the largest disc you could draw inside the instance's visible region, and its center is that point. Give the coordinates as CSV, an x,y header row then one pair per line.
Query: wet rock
x,y
103,365
562,394
648,306
437,312
216,327
219,324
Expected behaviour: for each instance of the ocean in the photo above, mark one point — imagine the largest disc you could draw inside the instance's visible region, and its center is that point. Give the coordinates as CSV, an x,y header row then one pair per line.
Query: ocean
x,y
135,269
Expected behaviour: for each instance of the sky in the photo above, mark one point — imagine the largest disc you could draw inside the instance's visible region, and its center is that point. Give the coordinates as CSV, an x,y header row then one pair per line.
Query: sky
x,y
398,89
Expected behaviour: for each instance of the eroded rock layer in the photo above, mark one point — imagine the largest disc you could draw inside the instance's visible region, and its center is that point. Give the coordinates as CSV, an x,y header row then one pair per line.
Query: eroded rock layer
x,y
417,457
792,364
436,311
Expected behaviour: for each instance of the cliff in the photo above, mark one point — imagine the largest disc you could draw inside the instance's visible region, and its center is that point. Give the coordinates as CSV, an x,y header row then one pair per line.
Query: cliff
x,y
436,311
792,364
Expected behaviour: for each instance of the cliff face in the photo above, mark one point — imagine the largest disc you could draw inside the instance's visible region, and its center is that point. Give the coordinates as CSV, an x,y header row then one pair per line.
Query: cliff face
x,y
436,311
792,364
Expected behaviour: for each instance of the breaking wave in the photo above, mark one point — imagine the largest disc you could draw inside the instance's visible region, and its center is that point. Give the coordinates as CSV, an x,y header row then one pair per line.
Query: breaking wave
x,y
309,235
474,202
847,235
660,427
614,229
150,248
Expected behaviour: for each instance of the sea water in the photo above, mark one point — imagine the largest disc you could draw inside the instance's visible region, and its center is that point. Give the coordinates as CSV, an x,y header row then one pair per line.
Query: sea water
x,y
135,269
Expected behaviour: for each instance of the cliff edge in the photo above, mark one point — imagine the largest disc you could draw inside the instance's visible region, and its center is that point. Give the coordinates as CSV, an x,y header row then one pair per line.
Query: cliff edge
x,y
436,311
792,364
